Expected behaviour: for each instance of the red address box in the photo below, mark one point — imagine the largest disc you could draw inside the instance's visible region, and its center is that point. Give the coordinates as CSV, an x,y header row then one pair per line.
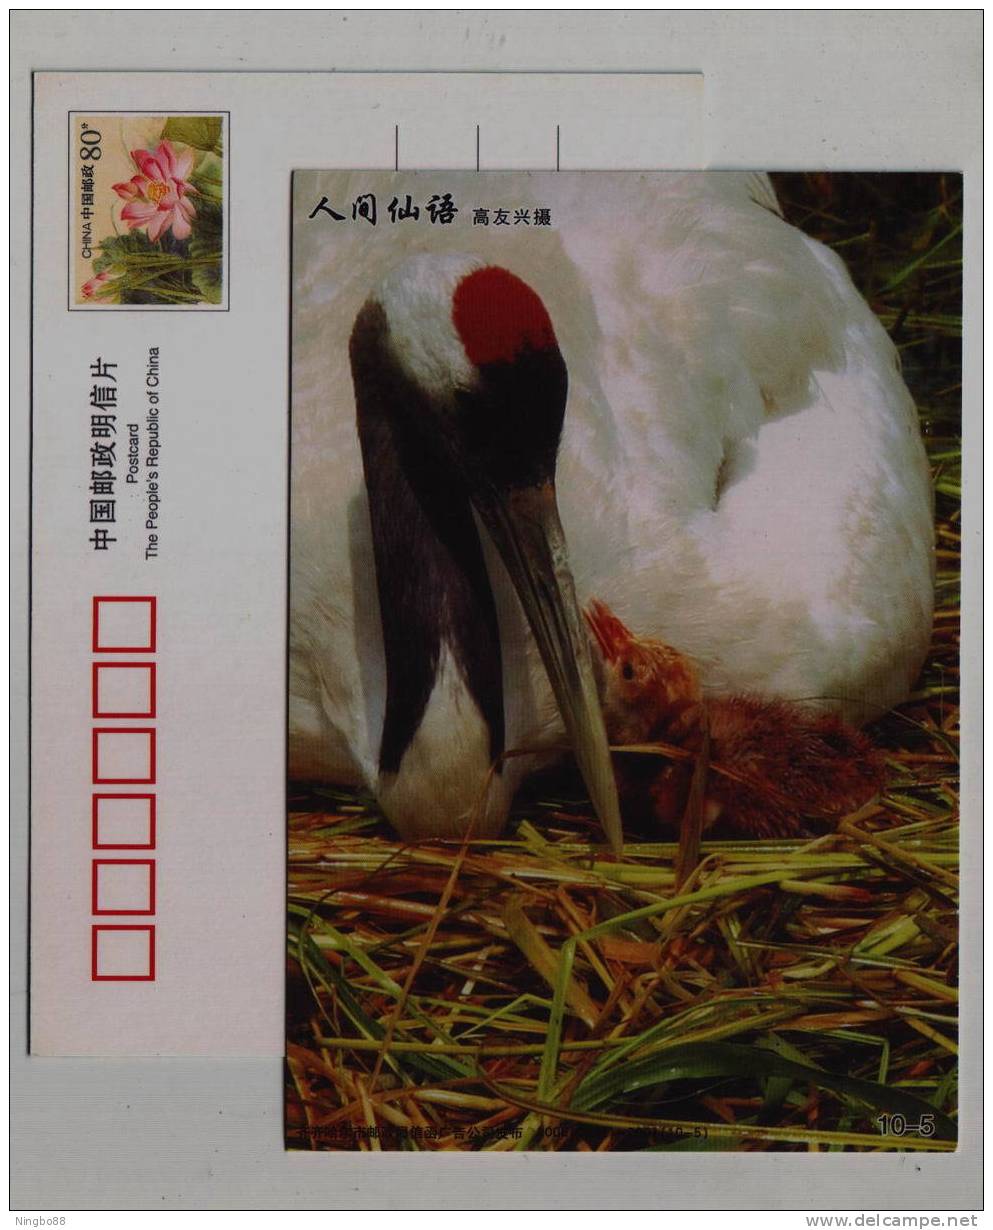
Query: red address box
x,y
124,689
124,821
123,886
123,755
122,952
124,623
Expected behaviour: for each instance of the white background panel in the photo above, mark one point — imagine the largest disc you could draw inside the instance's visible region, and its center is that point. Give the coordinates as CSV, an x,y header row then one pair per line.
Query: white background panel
x,y
877,90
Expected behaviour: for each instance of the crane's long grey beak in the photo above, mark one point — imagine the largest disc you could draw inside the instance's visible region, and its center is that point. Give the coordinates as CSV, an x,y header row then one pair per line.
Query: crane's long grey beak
x,y
526,529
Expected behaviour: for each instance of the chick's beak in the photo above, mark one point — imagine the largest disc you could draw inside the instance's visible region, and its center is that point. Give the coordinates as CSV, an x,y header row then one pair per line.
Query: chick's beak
x,y
524,524
610,634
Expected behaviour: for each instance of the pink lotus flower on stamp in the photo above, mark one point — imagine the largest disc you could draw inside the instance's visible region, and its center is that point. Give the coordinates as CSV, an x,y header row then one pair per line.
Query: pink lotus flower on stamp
x,y
158,198
94,287
160,235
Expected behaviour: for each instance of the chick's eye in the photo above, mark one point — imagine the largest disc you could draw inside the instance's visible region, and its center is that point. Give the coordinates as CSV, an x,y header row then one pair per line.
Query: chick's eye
x,y
627,670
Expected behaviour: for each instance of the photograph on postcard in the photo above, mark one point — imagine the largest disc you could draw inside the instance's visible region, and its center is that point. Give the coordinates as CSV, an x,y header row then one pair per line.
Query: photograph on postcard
x,y
623,661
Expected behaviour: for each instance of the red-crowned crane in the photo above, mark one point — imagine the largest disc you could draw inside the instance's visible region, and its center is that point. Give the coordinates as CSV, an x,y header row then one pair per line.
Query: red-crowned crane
x,y
740,474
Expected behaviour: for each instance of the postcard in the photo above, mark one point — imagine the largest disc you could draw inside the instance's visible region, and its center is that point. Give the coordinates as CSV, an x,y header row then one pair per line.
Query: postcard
x,y
495,632
159,416
623,661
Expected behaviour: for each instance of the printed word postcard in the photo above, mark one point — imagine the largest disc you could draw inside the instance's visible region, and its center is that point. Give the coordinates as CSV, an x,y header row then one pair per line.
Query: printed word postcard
x,y
495,615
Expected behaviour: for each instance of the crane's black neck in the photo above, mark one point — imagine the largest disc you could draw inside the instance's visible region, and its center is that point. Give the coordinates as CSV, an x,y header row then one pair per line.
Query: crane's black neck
x,y
433,586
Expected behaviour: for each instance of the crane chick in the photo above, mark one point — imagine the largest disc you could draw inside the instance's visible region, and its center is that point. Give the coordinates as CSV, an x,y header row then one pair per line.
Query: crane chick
x,y
774,766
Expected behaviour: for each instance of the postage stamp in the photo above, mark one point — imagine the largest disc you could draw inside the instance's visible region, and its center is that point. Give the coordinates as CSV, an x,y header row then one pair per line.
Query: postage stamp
x,y
147,210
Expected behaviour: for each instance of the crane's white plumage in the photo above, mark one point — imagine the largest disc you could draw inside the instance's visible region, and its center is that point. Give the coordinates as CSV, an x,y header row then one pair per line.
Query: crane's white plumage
x,y
741,472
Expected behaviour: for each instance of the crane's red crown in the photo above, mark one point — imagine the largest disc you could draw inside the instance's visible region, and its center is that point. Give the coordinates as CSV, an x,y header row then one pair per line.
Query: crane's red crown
x,y
498,317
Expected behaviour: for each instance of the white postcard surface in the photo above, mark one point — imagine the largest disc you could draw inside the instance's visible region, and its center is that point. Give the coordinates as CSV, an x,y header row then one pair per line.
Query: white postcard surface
x,y
495,570
159,512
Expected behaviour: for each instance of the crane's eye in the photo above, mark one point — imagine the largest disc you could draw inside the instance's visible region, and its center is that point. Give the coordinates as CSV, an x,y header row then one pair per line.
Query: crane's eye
x,y
627,670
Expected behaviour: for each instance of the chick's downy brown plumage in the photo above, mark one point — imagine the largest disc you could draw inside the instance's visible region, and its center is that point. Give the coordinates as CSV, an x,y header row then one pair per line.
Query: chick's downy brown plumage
x,y
773,768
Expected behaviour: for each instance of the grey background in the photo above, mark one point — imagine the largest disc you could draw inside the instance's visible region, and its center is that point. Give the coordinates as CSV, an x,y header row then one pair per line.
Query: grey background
x,y
845,90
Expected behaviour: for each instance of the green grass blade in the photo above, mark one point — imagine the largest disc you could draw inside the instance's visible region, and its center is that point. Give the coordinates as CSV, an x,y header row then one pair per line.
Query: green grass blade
x,y
709,1060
